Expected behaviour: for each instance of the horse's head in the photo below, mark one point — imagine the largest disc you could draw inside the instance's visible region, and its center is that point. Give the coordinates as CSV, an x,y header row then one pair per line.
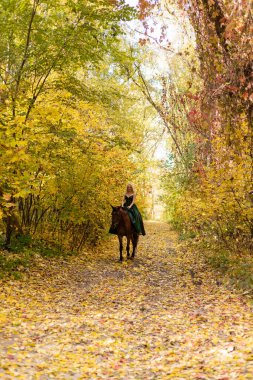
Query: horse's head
x,y
116,216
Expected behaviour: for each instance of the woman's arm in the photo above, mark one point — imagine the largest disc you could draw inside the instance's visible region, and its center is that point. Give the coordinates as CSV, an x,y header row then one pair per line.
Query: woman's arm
x,y
123,201
134,196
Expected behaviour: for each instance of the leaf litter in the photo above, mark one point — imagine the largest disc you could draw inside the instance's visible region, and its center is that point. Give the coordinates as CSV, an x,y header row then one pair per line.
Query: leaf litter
x,y
161,316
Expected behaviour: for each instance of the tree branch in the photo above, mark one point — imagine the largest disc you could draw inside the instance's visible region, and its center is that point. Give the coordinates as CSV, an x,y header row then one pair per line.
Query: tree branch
x,y
25,56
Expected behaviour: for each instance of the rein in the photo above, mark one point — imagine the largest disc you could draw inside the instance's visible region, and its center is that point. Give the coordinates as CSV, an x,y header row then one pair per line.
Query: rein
x,y
115,225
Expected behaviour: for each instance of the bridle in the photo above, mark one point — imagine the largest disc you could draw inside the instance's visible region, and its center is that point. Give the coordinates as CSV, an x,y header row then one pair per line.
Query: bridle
x,y
118,214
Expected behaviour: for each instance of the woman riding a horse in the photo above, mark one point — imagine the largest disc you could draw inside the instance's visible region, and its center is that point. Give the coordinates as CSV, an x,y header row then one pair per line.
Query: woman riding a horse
x,y
127,221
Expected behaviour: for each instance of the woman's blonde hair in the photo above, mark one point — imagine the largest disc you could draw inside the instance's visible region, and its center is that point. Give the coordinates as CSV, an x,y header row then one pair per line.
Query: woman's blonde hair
x,y
131,185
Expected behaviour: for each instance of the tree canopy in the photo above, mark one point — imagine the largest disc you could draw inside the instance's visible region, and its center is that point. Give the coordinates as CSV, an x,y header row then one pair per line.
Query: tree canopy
x,y
85,87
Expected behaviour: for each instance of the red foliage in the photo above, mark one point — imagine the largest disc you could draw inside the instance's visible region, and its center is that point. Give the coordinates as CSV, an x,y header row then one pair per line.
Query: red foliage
x,y
145,6
194,116
142,41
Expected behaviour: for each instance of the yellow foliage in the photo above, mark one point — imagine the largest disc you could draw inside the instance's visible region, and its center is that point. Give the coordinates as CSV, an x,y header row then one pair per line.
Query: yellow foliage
x,y
71,160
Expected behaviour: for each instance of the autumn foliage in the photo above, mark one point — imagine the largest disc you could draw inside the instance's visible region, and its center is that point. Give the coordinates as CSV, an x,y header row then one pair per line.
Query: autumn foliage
x,y
65,151
209,190
72,133
84,102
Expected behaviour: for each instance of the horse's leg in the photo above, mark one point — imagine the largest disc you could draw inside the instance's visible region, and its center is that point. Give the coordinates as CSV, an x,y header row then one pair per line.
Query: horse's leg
x,y
128,246
120,247
135,242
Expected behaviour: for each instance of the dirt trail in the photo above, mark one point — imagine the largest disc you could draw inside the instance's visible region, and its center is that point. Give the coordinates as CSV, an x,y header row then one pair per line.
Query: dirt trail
x,y
158,317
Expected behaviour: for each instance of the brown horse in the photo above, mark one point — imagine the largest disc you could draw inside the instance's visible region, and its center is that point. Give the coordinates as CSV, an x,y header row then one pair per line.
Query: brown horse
x,y
122,226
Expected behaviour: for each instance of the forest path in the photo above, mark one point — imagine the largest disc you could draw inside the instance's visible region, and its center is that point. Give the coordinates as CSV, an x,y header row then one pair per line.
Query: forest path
x,y
161,316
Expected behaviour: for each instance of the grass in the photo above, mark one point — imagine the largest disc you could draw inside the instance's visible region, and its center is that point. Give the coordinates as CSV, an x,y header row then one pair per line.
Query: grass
x,y
236,268
20,255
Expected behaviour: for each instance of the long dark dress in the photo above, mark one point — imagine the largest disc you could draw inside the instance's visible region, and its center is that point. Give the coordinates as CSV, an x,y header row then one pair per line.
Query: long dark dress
x,y
134,215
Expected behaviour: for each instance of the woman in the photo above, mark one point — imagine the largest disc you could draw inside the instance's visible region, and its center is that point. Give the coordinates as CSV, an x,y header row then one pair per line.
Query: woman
x,y
128,202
